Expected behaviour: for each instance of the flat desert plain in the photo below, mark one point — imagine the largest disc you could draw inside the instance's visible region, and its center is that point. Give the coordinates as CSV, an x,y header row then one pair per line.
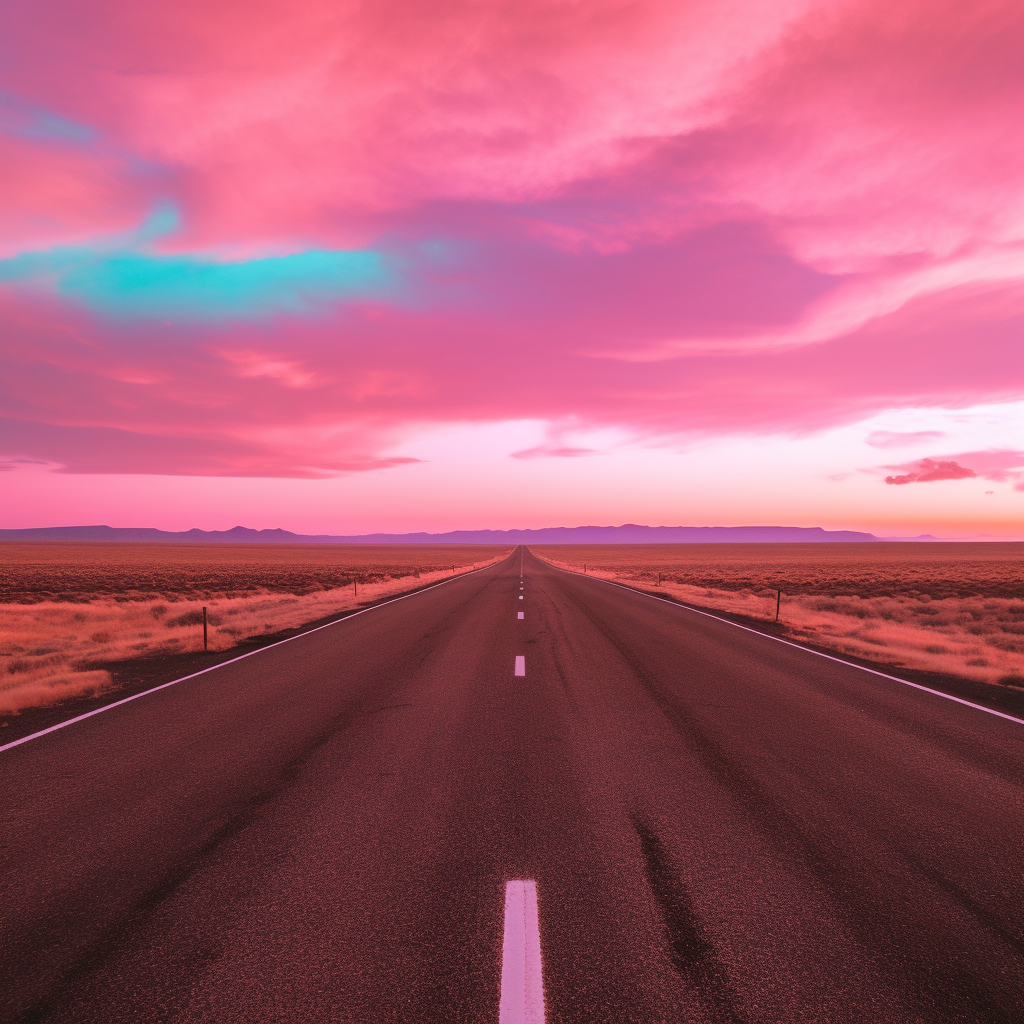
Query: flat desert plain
x,y
67,609
956,609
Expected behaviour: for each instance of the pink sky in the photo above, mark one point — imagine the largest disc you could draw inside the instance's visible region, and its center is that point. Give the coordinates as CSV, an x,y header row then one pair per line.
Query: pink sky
x,y
343,267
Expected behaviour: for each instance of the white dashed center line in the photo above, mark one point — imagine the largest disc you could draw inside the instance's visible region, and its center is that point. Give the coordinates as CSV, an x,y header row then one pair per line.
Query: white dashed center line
x,y
520,615
520,665
520,597
522,980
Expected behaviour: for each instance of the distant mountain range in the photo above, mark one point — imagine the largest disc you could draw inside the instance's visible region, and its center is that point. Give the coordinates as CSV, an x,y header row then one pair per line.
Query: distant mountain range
x,y
627,534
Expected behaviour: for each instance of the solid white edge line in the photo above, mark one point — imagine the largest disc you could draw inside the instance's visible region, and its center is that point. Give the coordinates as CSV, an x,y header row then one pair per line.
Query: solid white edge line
x,y
241,657
522,977
789,643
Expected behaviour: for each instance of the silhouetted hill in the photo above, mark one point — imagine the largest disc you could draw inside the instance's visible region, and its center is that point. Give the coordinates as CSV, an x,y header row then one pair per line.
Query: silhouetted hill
x,y
627,534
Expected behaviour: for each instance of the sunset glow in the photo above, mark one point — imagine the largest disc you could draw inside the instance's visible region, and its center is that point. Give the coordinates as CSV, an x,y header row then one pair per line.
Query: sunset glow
x,y
343,268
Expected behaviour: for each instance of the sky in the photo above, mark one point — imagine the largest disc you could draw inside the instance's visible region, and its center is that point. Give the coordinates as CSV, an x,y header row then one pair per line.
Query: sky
x,y
344,267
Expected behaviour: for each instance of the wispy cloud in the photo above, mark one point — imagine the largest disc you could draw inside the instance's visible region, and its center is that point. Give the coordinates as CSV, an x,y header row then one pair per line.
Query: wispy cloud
x,y
989,465
929,471
549,451
901,439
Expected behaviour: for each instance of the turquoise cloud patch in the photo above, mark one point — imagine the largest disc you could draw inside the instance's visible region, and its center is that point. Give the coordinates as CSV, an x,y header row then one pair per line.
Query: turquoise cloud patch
x,y
133,284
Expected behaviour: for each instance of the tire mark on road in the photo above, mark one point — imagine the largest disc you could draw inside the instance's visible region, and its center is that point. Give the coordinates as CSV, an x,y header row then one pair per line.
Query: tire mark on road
x,y
692,952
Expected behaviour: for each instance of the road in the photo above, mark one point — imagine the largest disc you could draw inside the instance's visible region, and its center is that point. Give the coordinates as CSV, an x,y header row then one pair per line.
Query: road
x,y
718,828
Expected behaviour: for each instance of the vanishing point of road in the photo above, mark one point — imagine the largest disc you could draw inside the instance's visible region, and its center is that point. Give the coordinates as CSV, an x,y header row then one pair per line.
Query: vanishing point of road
x,y
523,795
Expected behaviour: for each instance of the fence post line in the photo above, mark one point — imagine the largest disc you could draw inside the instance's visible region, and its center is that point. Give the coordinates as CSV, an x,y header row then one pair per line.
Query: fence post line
x,y
206,643
355,588
778,602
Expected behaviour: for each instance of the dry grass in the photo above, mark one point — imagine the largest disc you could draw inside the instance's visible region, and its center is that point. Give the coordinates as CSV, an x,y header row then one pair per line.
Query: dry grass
x,y
950,608
85,572
49,648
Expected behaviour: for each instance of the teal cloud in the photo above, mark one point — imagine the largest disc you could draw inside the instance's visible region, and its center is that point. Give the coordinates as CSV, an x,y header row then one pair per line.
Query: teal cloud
x,y
133,284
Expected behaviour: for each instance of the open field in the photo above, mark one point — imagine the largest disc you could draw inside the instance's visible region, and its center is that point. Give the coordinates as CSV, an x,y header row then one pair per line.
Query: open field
x,y
951,608
84,572
68,608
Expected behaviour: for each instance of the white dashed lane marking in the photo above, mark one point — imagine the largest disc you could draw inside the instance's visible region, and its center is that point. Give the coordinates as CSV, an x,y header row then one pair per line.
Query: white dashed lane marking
x,y
520,665
522,979
520,615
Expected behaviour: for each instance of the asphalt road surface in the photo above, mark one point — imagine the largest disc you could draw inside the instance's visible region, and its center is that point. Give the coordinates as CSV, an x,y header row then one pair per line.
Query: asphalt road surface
x,y
708,825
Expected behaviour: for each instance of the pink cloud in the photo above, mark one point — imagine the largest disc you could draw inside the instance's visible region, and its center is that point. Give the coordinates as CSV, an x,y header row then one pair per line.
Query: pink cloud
x,y
996,464
990,465
312,110
56,195
928,471
355,383
901,439
545,451
567,196
96,449
681,107
261,364
921,164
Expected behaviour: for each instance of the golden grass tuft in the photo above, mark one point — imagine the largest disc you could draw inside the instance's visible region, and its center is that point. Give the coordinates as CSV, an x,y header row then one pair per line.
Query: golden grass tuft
x,y
50,650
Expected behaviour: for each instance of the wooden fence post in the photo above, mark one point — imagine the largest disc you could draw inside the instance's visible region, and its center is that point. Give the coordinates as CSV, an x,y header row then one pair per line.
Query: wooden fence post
x,y
206,642
778,602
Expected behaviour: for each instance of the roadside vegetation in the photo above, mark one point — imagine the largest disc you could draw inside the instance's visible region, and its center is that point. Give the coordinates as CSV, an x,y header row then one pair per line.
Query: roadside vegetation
x,y
78,607
957,609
